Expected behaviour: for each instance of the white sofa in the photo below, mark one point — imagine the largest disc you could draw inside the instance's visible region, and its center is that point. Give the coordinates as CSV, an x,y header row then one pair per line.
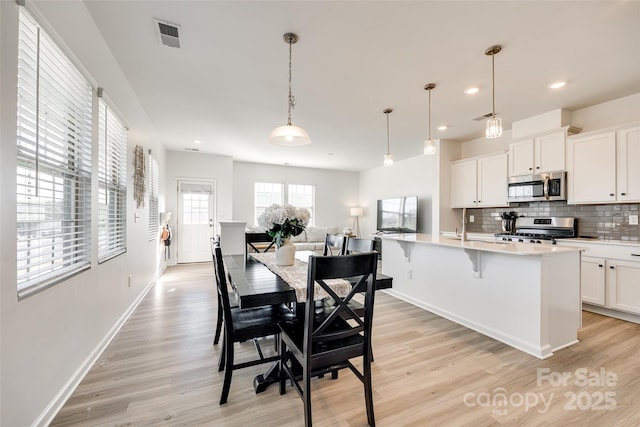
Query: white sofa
x,y
311,239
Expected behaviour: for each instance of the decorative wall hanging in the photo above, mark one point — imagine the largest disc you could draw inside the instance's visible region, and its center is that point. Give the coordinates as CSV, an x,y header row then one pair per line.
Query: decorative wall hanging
x,y
138,176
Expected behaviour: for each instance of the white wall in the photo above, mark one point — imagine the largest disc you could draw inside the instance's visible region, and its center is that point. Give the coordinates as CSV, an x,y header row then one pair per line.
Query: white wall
x,y
414,176
336,191
198,166
50,338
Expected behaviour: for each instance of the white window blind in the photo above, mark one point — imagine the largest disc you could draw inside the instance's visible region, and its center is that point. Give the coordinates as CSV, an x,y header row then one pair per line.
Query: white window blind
x,y
154,215
112,184
53,162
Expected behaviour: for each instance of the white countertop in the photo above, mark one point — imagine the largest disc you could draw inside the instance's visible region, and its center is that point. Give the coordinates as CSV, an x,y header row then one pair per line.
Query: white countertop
x,y
579,240
481,245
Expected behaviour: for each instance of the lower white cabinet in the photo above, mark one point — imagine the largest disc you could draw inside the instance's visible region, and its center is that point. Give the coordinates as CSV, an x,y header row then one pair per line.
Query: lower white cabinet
x,y
609,282
592,272
623,285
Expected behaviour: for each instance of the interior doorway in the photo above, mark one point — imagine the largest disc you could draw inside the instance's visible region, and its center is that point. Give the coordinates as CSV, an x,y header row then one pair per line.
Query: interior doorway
x,y
196,220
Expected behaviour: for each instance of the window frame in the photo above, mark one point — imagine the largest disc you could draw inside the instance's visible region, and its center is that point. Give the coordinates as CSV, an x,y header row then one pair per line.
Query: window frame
x,y
284,199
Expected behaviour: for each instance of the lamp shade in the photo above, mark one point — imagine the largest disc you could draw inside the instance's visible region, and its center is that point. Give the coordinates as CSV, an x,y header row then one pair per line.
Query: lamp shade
x,y
356,212
429,147
289,136
494,127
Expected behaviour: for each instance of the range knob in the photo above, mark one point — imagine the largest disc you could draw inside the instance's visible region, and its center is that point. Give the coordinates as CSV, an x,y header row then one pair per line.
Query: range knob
x,y
520,240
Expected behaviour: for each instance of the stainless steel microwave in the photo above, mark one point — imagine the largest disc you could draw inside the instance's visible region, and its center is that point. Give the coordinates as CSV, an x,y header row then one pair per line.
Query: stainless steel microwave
x,y
538,188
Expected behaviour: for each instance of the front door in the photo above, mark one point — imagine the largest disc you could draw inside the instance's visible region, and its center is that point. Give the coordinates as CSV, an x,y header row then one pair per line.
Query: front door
x,y
195,220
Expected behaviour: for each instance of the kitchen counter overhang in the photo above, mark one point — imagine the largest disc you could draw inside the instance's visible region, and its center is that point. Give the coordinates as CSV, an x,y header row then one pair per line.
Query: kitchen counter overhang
x,y
525,295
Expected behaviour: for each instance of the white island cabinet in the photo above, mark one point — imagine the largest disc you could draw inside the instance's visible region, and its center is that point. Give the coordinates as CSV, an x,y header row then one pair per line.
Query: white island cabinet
x,y
524,295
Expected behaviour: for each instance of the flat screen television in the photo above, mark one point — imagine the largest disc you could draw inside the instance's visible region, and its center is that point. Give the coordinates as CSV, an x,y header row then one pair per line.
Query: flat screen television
x,y
398,215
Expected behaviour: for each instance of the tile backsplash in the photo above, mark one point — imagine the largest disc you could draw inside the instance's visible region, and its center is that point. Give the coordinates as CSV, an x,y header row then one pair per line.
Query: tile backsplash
x,y
607,222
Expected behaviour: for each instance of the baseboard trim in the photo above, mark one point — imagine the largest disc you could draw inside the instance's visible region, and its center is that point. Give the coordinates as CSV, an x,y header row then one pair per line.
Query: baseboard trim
x,y
52,409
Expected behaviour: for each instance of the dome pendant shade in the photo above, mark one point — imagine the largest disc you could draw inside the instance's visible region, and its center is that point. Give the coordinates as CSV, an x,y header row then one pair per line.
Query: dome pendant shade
x,y
289,136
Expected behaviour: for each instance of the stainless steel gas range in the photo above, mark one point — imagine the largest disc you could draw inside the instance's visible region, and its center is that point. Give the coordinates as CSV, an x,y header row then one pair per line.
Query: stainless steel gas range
x,y
540,230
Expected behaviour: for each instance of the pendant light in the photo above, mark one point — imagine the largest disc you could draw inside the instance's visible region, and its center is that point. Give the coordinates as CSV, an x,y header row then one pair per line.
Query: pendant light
x,y
429,144
388,158
494,124
289,135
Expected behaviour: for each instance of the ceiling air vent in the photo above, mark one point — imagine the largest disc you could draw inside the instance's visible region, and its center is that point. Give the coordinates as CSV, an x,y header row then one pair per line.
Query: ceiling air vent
x,y
168,34
191,149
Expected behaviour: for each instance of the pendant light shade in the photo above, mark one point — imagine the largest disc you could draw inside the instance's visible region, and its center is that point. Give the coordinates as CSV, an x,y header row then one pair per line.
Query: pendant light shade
x,y
494,124
429,144
388,158
289,135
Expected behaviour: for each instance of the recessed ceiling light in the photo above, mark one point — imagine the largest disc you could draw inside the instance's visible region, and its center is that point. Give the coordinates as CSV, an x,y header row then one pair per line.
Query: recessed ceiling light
x,y
443,127
557,85
197,141
471,90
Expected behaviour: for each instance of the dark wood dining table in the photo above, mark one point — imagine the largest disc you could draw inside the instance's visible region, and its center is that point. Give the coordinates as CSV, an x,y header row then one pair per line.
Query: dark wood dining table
x,y
255,285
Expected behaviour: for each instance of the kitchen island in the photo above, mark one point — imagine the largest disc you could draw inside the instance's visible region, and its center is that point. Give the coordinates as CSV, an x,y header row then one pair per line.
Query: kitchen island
x,y
522,294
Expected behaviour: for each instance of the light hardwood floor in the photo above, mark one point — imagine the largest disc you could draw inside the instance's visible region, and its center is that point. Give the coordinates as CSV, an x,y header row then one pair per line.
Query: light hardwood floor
x,y
161,369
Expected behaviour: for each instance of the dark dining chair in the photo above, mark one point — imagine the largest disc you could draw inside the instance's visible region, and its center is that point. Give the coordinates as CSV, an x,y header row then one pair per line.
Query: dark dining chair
x,y
325,342
334,244
233,300
257,242
355,245
243,324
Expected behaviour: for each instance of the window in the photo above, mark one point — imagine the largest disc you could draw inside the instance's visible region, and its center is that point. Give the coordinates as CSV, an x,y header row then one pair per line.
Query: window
x,y
53,191
112,184
300,196
154,215
265,195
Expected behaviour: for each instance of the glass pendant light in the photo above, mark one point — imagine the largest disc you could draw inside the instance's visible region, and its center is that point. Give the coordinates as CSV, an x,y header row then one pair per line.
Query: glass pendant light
x,y
289,135
494,124
429,144
388,158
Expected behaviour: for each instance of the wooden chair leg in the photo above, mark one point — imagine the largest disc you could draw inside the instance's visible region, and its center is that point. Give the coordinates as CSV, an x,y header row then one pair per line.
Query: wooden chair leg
x,y
306,396
228,372
368,394
216,338
221,358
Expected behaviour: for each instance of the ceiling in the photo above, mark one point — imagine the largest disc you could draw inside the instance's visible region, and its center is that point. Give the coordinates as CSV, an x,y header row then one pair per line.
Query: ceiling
x,y
227,84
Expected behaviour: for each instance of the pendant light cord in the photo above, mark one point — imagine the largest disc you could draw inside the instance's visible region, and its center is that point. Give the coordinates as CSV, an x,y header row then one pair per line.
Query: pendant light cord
x,y
292,99
429,114
493,83
388,150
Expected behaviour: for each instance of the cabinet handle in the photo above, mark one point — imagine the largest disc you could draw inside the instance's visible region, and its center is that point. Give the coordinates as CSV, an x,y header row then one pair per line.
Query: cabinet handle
x,y
611,194
635,254
611,267
530,168
600,265
537,167
623,194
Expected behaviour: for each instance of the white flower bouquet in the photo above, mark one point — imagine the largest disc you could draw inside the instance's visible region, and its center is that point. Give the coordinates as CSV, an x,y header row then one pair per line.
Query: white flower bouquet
x,y
283,222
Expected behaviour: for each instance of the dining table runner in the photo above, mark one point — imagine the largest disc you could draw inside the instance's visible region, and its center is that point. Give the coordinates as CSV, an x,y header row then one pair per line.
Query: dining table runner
x,y
296,276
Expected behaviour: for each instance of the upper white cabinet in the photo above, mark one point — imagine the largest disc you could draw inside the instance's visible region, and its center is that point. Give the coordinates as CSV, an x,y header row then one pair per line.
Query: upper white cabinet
x,y
480,182
544,153
602,166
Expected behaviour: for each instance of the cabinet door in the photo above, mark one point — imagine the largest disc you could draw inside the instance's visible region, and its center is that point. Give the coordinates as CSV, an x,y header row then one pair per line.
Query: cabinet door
x,y
549,153
521,158
628,164
592,279
492,181
623,282
463,184
591,168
